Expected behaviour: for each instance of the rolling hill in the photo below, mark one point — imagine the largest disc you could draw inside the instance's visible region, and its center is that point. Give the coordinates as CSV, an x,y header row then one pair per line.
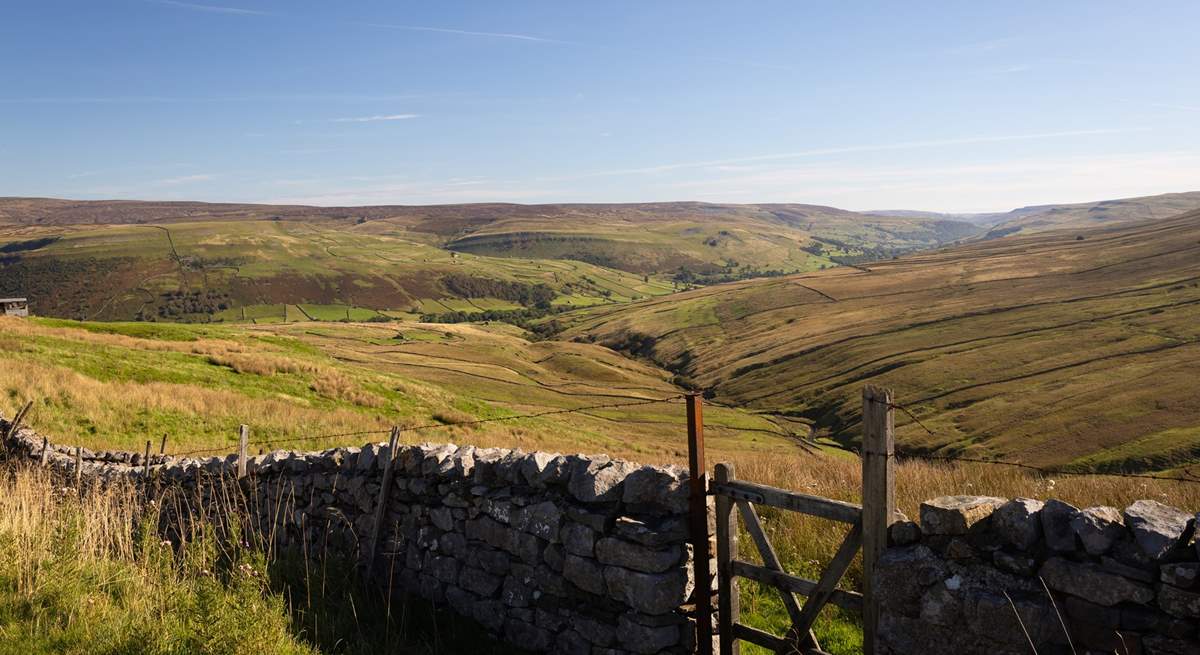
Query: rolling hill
x,y
1049,349
1085,215
122,260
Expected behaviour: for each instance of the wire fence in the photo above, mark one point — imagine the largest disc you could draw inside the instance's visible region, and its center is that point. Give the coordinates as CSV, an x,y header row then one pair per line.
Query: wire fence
x,y
444,424
1189,472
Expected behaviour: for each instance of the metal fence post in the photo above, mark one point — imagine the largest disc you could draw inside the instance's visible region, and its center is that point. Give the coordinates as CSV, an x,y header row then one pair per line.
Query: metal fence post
x,y
698,523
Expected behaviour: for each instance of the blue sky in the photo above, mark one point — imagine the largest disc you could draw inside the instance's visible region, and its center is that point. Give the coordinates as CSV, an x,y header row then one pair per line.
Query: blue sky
x,y
944,106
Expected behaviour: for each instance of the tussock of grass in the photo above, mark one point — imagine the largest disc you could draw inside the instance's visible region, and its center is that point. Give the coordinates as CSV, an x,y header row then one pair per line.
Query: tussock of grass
x,y
89,576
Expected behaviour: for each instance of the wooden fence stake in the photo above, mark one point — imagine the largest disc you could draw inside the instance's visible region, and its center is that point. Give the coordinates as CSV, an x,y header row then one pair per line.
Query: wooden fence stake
x,y
243,443
698,519
729,605
16,422
879,496
146,461
79,469
162,449
385,487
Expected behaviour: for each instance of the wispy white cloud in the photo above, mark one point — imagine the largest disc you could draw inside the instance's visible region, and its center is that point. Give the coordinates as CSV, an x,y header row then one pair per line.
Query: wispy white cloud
x,y
880,147
212,8
182,179
447,30
374,119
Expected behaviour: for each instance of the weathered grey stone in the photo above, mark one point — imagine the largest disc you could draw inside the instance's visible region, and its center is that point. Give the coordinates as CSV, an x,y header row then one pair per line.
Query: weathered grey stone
x,y
1018,522
492,561
478,582
1098,528
597,480
1091,583
595,632
453,544
584,573
1182,574
540,470
649,593
655,490
1158,529
444,569
641,638
442,518
1015,563
663,532
903,533
940,606
619,552
1056,525
578,539
1125,570
516,592
541,520
953,515
1177,602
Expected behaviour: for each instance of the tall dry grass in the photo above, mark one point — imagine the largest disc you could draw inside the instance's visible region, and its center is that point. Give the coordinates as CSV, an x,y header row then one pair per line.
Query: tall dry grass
x,y
806,544
87,573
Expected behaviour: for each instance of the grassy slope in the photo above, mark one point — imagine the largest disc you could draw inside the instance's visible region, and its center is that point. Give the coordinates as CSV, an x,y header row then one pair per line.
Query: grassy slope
x,y
1085,215
262,264
119,384
1045,349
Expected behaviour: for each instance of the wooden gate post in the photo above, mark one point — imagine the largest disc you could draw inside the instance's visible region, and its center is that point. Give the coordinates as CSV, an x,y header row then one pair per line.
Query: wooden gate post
x,y
728,602
243,443
385,492
879,496
698,523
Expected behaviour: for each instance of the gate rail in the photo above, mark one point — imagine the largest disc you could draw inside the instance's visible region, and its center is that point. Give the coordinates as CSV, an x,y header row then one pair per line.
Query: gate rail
x,y
868,532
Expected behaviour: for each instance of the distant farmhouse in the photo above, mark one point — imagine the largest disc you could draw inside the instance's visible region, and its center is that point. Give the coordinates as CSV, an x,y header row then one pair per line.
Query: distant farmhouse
x,y
14,307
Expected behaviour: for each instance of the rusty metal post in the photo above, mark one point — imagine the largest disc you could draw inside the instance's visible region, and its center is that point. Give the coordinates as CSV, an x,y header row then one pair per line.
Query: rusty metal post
x,y
698,523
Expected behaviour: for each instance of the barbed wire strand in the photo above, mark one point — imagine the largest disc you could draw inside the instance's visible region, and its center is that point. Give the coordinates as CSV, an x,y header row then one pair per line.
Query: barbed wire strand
x,y
431,426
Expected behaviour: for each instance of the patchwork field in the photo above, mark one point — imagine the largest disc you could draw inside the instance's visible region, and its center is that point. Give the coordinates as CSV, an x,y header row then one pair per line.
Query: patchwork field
x,y
1063,349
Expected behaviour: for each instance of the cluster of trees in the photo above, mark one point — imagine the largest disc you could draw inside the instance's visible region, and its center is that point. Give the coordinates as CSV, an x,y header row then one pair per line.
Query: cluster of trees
x,y
176,304
523,318
686,277
523,293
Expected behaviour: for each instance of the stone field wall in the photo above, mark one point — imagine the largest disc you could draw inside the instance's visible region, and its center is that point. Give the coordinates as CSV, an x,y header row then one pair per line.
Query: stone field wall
x,y
1123,581
589,555
553,553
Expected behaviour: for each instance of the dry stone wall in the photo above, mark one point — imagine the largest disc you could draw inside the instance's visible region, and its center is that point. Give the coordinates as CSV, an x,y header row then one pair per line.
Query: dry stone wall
x,y
553,553
1091,580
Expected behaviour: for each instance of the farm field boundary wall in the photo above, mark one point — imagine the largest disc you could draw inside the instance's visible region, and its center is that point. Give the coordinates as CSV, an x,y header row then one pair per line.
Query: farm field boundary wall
x,y
590,555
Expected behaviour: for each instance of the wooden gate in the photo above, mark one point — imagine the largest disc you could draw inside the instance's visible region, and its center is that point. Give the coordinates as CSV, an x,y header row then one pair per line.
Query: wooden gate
x,y
868,525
